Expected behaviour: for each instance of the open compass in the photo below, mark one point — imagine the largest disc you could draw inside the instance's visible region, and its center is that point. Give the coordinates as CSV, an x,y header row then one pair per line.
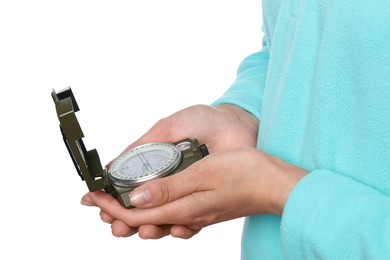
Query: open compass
x,y
133,167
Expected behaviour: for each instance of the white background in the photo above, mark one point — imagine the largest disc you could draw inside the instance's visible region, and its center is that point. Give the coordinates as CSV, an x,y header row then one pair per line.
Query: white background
x,y
129,63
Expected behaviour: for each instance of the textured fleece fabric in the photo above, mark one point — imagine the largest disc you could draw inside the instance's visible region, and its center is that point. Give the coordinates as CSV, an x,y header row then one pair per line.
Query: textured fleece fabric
x,y
321,90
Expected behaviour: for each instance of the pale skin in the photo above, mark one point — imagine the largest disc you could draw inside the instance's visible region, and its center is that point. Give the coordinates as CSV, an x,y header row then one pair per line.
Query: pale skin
x,y
235,180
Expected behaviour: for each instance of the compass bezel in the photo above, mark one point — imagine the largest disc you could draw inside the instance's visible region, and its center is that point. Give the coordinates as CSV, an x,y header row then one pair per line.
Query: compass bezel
x,y
119,178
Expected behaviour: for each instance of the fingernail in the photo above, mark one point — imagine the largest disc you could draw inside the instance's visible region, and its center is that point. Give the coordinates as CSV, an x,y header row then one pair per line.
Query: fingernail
x,y
140,197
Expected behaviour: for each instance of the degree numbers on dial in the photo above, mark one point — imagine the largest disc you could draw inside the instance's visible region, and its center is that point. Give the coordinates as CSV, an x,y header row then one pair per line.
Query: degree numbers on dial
x,y
144,162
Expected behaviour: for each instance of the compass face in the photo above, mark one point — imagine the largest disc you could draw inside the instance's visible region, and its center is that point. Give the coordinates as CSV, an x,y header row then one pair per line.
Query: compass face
x,y
144,163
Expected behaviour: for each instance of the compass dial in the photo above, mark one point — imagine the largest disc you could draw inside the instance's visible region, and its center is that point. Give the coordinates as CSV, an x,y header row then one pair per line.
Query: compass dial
x,y
144,163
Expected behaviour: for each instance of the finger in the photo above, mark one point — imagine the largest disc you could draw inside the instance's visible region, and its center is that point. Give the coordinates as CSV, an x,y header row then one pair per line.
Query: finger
x,y
153,232
86,201
120,229
105,217
132,217
159,192
183,232
107,204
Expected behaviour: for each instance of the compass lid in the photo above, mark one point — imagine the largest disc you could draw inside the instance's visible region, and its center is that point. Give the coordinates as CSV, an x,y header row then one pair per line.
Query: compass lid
x,y
87,163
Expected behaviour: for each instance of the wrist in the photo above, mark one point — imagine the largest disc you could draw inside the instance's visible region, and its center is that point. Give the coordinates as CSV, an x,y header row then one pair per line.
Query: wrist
x,y
287,177
246,119
279,179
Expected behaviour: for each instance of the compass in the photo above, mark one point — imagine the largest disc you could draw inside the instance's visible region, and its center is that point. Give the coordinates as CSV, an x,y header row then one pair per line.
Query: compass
x,y
133,167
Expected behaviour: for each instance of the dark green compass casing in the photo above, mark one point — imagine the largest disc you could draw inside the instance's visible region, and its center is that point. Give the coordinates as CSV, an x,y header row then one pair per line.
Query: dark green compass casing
x,y
132,168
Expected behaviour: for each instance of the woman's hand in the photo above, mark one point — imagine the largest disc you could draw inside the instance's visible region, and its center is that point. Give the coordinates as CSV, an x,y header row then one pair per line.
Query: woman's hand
x,y
220,128
223,186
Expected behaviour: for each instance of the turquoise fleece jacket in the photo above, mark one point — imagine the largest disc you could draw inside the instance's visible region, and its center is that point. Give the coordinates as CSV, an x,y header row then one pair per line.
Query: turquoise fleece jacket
x,y
321,90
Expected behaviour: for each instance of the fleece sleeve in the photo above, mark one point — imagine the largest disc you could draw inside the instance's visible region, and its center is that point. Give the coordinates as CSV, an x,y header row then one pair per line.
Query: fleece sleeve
x,y
330,216
247,90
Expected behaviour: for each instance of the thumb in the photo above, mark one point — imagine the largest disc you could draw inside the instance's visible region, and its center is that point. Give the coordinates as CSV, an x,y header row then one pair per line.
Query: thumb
x,y
162,191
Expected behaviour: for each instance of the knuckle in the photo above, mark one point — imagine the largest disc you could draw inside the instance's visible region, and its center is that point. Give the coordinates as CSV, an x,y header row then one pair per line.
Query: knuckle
x,y
167,192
